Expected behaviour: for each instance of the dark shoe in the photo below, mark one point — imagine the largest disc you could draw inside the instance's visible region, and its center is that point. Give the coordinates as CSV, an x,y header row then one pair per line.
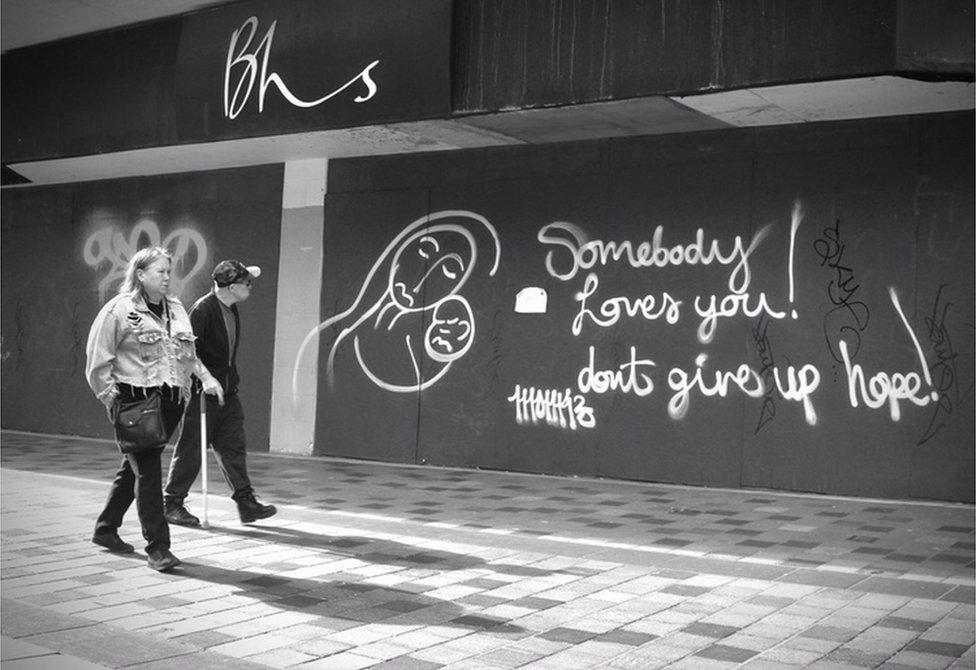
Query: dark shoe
x,y
113,542
162,560
251,510
177,514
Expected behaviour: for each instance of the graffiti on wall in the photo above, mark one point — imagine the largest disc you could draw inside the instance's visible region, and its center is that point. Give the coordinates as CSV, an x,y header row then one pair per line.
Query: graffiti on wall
x,y
945,375
250,66
570,253
942,232
417,279
848,317
108,250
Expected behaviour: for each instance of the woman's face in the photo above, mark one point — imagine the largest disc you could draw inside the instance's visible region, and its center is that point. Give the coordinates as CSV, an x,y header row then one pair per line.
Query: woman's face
x,y
155,278
430,267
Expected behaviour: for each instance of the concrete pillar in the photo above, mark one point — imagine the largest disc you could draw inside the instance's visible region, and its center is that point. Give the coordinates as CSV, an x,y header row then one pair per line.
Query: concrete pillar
x,y
299,293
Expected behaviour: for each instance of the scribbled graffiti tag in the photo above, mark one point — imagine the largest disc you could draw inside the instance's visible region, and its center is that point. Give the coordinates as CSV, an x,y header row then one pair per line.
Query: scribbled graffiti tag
x,y
110,247
849,317
945,375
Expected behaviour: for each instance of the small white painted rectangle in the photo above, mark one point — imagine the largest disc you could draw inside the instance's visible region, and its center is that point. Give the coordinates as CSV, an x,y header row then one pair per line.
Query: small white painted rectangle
x,y
531,300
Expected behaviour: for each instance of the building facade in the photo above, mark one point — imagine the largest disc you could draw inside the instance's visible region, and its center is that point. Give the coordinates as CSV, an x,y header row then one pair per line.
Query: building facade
x,y
705,243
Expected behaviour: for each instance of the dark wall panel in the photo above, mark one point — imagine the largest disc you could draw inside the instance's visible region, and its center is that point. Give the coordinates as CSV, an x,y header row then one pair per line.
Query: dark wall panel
x,y
855,244
936,36
368,348
45,317
91,95
465,419
943,205
835,253
64,254
547,53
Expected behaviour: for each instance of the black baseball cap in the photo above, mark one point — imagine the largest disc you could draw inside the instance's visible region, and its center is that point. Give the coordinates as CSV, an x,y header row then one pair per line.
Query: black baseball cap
x,y
232,271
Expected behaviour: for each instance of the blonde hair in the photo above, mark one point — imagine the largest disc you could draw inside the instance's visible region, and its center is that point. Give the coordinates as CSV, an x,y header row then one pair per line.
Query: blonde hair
x,y
141,260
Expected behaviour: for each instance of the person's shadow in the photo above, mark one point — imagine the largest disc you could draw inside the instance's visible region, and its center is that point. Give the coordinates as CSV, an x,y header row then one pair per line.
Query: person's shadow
x,y
343,603
378,551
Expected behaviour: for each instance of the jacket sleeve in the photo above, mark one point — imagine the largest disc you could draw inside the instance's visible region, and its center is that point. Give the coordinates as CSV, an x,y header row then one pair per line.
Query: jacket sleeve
x,y
103,338
199,323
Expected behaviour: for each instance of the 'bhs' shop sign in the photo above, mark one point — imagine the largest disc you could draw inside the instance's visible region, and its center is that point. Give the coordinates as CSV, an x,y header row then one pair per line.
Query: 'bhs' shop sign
x,y
267,68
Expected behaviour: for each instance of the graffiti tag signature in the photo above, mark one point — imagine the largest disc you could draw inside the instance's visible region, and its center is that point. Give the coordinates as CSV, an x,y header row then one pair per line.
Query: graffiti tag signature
x,y
849,318
944,375
111,246
760,336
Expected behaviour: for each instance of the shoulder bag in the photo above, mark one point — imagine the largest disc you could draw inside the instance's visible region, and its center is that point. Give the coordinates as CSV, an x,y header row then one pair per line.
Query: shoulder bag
x,y
139,424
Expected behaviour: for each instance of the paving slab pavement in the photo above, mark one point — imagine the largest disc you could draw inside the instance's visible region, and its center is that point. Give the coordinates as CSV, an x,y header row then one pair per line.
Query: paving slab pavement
x,y
390,567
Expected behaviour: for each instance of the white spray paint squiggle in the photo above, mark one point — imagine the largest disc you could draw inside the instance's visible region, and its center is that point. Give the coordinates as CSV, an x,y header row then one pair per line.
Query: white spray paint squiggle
x,y
109,245
794,226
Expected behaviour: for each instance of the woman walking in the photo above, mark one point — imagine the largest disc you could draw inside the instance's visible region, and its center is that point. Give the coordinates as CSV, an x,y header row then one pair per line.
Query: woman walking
x,y
140,345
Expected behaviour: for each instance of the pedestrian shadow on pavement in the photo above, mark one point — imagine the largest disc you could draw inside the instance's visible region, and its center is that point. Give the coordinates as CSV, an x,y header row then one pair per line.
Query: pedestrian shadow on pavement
x,y
383,552
348,604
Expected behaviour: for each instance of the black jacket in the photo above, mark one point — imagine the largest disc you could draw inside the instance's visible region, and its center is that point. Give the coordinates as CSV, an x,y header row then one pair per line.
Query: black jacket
x,y
212,342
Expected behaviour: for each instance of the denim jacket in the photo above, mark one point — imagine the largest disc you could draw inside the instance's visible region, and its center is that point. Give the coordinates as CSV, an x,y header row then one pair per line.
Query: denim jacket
x,y
129,344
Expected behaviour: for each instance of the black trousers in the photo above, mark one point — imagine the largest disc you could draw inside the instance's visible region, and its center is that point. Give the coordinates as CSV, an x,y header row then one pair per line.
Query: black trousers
x,y
225,433
139,478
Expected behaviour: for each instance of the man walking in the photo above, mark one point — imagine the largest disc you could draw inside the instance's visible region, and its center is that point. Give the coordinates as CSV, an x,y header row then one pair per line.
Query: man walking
x,y
217,327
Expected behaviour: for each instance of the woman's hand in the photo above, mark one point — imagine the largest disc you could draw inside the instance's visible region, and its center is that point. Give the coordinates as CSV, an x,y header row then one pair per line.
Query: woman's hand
x,y
213,387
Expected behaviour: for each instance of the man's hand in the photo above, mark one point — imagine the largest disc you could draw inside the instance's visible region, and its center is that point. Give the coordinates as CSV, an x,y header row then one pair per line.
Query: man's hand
x,y
213,387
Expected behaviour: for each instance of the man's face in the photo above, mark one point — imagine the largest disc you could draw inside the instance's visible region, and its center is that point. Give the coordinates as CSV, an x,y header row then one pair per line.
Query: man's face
x,y
241,289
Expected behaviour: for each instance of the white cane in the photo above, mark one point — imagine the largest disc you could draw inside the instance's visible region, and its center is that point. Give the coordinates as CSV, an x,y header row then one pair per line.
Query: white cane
x,y
203,455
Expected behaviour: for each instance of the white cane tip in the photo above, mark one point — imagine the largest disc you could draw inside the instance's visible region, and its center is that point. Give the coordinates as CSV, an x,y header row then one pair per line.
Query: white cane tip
x,y
204,525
